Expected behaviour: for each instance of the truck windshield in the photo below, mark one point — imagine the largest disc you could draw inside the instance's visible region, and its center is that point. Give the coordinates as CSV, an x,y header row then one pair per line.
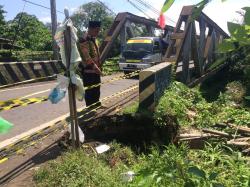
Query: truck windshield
x,y
139,45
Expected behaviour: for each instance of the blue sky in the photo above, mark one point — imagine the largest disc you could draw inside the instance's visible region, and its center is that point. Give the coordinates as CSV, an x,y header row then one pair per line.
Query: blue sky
x,y
220,13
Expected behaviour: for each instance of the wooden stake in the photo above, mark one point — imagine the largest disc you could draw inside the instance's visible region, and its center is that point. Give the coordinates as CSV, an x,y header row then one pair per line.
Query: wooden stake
x,y
71,90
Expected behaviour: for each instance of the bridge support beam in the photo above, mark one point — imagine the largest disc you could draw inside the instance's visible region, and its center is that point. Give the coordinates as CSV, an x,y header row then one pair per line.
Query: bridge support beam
x,y
152,83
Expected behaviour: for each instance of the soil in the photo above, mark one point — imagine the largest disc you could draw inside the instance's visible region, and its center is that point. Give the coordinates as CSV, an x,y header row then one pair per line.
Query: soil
x,y
19,169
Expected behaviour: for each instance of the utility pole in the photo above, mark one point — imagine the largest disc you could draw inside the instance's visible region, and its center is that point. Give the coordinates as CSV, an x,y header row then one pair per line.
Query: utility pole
x,y
54,26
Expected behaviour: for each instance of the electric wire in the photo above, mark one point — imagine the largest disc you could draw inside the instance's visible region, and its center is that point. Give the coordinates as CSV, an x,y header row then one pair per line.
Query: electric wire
x,y
153,9
39,5
148,6
106,7
139,8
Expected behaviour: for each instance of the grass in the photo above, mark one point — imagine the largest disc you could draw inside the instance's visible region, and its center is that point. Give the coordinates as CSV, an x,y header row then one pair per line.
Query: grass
x,y
180,166
216,165
110,66
191,109
131,109
78,168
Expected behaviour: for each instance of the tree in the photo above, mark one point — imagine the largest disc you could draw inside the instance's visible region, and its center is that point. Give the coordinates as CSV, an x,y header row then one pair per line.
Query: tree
x,y
2,21
29,31
92,11
95,11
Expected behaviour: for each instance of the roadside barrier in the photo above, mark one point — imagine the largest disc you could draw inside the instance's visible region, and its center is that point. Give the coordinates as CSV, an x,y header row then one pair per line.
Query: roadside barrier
x,y
153,82
12,73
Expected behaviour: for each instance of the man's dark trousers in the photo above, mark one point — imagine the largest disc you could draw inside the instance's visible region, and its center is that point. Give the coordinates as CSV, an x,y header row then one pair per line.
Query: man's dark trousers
x,y
92,95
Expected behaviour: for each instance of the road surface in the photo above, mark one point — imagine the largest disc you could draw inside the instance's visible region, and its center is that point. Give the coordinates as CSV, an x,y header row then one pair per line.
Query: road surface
x,y
28,117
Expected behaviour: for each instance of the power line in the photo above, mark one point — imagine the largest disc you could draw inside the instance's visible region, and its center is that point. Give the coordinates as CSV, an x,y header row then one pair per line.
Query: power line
x,y
153,9
149,7
106,7
30,2
139,8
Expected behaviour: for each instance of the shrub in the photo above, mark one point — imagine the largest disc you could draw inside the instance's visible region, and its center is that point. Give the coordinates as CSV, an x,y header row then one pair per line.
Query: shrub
x,y
7,56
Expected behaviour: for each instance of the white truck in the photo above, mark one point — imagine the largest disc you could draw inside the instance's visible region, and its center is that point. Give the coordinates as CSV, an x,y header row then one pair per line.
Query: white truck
x,y
141,52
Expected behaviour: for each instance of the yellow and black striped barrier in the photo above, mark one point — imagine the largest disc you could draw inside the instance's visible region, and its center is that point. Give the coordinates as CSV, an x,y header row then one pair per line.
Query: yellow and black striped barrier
x,y
152,83
30,140
12,73
7,105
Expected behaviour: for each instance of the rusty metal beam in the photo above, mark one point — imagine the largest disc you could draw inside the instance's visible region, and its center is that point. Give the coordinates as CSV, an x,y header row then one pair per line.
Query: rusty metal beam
x,y
202,48
117,26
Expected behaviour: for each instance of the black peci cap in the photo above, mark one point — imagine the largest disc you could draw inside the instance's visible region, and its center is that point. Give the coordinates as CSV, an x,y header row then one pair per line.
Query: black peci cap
x,y
94,24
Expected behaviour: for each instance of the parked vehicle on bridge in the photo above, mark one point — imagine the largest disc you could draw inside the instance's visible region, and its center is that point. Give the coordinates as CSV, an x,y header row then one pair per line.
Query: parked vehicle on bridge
x,y
142,52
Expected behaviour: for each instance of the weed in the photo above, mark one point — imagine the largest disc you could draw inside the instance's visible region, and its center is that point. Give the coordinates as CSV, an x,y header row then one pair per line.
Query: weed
x,y
110,66
180,166
131,109
76,168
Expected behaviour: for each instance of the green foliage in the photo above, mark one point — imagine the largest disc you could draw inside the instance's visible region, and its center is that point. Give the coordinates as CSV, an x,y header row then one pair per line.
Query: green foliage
x,y
236,91
226,46
131,109
95,11
190,108
247,15
239,35
238,46
179,166
216,165
76,168
234,115
32,34
177,101
24,55
119,157
2,21
110,66
167,5
92,11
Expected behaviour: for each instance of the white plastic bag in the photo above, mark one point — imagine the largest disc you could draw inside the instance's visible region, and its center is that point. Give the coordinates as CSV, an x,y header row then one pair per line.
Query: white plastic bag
x,y
81,135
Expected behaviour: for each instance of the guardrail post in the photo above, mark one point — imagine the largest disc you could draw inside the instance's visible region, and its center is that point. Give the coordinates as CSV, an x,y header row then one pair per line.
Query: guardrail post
x,y
152,83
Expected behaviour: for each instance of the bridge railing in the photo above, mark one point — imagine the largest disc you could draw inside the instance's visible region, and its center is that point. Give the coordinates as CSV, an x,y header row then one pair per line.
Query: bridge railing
x,y
12,73
193,44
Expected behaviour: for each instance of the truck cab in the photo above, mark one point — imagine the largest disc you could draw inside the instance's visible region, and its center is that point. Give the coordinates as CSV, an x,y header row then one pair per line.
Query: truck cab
x,y
140,53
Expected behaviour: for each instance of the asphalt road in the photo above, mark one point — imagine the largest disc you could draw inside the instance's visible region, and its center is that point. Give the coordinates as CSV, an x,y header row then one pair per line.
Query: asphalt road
x,y
31,116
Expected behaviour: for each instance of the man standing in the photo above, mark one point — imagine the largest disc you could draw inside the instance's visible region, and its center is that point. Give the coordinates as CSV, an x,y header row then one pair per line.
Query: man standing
x,y
91,65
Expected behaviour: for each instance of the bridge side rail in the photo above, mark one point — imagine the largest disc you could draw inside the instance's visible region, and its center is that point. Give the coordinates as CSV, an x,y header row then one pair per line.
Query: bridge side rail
x,y
193,44
12,73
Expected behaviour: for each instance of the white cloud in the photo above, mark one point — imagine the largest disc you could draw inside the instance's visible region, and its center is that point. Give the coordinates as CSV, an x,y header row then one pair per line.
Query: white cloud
x,y
46,19
72,10
221,13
